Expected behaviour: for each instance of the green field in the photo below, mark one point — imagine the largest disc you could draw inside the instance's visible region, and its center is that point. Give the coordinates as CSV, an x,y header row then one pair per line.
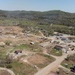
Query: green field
x,y
56,52
70,62
29,47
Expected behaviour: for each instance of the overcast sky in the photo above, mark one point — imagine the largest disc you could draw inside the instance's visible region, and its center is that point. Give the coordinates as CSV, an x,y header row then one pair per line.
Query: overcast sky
x,y
38,5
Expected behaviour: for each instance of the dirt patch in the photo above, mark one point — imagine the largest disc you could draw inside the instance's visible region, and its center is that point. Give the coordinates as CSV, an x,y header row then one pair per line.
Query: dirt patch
x,y
40,60
15,35
3,72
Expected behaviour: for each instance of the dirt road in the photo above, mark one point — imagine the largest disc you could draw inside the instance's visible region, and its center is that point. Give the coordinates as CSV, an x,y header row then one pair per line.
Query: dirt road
x,y
51,67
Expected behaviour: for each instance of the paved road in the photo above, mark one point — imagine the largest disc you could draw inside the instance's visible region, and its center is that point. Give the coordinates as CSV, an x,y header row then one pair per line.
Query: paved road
x,y
51,67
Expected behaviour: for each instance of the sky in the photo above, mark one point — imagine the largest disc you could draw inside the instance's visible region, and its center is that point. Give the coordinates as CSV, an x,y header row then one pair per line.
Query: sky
x,y
38,5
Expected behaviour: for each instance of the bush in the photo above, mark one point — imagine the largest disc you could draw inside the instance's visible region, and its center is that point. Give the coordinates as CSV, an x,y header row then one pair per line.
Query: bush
x,y
8,43
9,66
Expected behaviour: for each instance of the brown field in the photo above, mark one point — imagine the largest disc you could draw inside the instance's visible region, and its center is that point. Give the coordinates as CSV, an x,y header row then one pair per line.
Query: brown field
x,y
40,60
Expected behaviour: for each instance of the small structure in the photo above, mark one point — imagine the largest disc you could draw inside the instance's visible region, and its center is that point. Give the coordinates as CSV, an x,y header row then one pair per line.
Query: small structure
x,y
57,47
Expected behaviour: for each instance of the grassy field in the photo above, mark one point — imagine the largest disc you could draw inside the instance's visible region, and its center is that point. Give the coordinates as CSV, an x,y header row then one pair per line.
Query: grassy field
x,y
33,26
70,62
3,51
29,47
63,72
56,52
22,68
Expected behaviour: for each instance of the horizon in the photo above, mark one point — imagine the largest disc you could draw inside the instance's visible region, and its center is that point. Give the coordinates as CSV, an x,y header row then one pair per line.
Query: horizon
x,y
38,5
38,11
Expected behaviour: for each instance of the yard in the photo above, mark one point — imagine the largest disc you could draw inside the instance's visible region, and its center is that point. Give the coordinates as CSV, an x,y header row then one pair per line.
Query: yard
x,y
61,71
43,60
69,62
56,52
29,47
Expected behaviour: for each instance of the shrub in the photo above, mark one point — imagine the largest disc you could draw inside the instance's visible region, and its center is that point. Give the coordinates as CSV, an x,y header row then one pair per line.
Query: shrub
x,y
8,43
9,66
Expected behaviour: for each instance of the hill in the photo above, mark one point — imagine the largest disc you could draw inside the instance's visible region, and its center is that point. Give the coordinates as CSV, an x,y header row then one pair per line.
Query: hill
x,y
55,16
47,22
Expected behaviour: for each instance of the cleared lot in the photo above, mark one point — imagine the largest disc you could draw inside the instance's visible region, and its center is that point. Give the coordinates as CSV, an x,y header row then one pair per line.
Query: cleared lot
x,y
40,60
3,72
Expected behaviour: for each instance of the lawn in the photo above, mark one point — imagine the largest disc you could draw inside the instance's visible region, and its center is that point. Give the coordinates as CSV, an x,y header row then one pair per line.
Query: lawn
x,y
70,62
56,52
29,47
63,72
22,46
